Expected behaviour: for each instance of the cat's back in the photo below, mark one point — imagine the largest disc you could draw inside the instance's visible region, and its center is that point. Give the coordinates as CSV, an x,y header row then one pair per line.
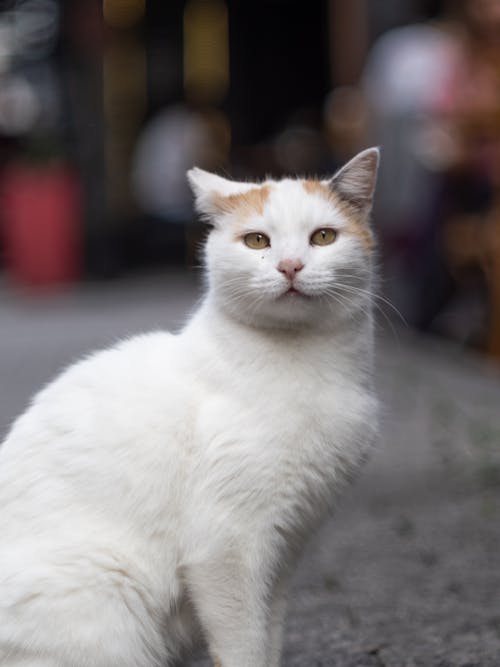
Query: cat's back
x,y
99,429
100,386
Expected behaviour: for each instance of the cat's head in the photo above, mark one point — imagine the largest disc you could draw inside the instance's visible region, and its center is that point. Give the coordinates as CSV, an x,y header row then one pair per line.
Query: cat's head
x,y
290,253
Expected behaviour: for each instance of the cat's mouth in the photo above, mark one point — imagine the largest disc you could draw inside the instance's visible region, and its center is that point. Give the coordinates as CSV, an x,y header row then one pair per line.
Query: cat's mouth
x,y
294,292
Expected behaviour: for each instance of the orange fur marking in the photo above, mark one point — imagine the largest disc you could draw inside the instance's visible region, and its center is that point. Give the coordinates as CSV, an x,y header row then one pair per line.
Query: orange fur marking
x,y
317,188
354,224
252,201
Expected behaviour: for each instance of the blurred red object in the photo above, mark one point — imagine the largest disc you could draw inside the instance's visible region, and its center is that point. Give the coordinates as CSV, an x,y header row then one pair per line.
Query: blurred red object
x,y
42,224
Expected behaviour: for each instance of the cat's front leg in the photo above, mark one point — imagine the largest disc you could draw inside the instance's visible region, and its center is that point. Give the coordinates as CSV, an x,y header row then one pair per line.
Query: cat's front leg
x,y
277,621
231,604
276,629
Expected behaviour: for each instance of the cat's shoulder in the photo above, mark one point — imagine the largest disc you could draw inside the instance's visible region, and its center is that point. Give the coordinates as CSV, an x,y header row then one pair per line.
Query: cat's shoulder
x,y
140,348
119,365
108,380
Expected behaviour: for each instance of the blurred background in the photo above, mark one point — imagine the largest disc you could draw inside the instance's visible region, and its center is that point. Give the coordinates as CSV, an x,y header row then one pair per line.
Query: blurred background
x,y
104,105
103,108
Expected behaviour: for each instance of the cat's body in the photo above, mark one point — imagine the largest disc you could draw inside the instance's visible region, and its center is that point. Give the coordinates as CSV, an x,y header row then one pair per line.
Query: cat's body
x,y
162,489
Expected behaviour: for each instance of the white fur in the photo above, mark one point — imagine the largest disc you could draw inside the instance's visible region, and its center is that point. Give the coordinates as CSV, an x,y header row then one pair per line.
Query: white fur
x,y
161,490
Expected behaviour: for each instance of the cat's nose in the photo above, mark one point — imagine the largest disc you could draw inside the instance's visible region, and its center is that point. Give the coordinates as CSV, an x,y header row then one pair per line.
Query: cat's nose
x,y
290,267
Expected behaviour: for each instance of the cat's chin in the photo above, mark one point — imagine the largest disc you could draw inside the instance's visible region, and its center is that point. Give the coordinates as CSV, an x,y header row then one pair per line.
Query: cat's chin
x,y
290,310
285,309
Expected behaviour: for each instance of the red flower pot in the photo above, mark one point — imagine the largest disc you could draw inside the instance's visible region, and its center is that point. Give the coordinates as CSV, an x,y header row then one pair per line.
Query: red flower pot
x,y
41,213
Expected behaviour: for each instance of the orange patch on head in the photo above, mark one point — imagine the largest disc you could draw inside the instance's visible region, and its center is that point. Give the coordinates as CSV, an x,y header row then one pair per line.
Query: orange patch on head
x,y
317,188
364,234
355,225
244,203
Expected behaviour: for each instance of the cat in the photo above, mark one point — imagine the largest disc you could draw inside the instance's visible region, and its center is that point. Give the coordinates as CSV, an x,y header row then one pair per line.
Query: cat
x,y
161,491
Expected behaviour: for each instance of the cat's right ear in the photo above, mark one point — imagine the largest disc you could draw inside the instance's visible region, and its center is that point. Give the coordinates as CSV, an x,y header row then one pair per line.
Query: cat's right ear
x,y
213,193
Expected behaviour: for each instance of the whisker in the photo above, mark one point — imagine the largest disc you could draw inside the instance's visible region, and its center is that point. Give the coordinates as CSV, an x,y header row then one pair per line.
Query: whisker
x,y
376,296
353,290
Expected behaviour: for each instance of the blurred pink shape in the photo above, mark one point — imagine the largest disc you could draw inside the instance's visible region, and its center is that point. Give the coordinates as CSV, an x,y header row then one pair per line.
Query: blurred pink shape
x,y
42,224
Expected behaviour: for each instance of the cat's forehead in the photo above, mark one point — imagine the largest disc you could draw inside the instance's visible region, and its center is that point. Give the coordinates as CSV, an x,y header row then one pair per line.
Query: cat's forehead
x,y
293,207
301,200
286,202
290,196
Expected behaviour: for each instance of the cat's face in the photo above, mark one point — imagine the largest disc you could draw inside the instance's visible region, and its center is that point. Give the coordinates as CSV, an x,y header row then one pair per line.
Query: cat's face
x,y
293,252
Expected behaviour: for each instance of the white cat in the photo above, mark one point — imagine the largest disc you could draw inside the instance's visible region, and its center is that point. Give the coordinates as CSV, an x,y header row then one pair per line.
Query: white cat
x,y
161,490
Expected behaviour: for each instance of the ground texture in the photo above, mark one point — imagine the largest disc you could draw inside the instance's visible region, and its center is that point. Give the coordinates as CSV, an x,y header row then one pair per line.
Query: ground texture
x,y
407,571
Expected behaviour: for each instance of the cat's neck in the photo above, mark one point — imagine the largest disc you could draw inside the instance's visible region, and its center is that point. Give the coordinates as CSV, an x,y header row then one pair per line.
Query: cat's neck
x,y
352,338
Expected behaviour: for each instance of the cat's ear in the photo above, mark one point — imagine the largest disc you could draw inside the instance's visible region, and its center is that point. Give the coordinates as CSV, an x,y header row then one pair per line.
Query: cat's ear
x,y
212,193
355,182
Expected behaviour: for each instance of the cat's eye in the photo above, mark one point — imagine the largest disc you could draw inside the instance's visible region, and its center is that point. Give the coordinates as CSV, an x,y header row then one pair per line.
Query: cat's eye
x,y
323,236
256,240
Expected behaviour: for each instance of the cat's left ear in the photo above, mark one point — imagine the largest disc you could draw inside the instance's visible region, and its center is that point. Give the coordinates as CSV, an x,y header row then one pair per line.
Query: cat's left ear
x,y
212,193
355,182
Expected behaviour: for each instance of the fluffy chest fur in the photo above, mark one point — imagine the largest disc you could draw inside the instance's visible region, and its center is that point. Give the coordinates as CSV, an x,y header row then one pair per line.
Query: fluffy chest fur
x,y
285,417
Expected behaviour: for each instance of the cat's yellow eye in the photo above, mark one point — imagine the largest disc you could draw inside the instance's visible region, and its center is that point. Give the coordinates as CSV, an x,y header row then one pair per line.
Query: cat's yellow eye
x,y
256,240
324,236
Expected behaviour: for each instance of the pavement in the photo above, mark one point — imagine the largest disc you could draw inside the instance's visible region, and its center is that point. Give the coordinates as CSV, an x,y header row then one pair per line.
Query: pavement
x,y
406,573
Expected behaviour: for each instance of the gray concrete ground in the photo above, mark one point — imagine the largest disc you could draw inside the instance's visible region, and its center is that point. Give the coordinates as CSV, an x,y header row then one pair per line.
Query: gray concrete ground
x,y
407,572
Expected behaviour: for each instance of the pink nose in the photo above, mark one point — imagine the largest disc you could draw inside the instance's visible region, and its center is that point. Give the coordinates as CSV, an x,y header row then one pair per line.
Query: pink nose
x,y
290,267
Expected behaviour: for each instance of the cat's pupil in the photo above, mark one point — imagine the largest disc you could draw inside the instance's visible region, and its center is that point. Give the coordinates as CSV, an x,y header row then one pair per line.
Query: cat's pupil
x,y
256,240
